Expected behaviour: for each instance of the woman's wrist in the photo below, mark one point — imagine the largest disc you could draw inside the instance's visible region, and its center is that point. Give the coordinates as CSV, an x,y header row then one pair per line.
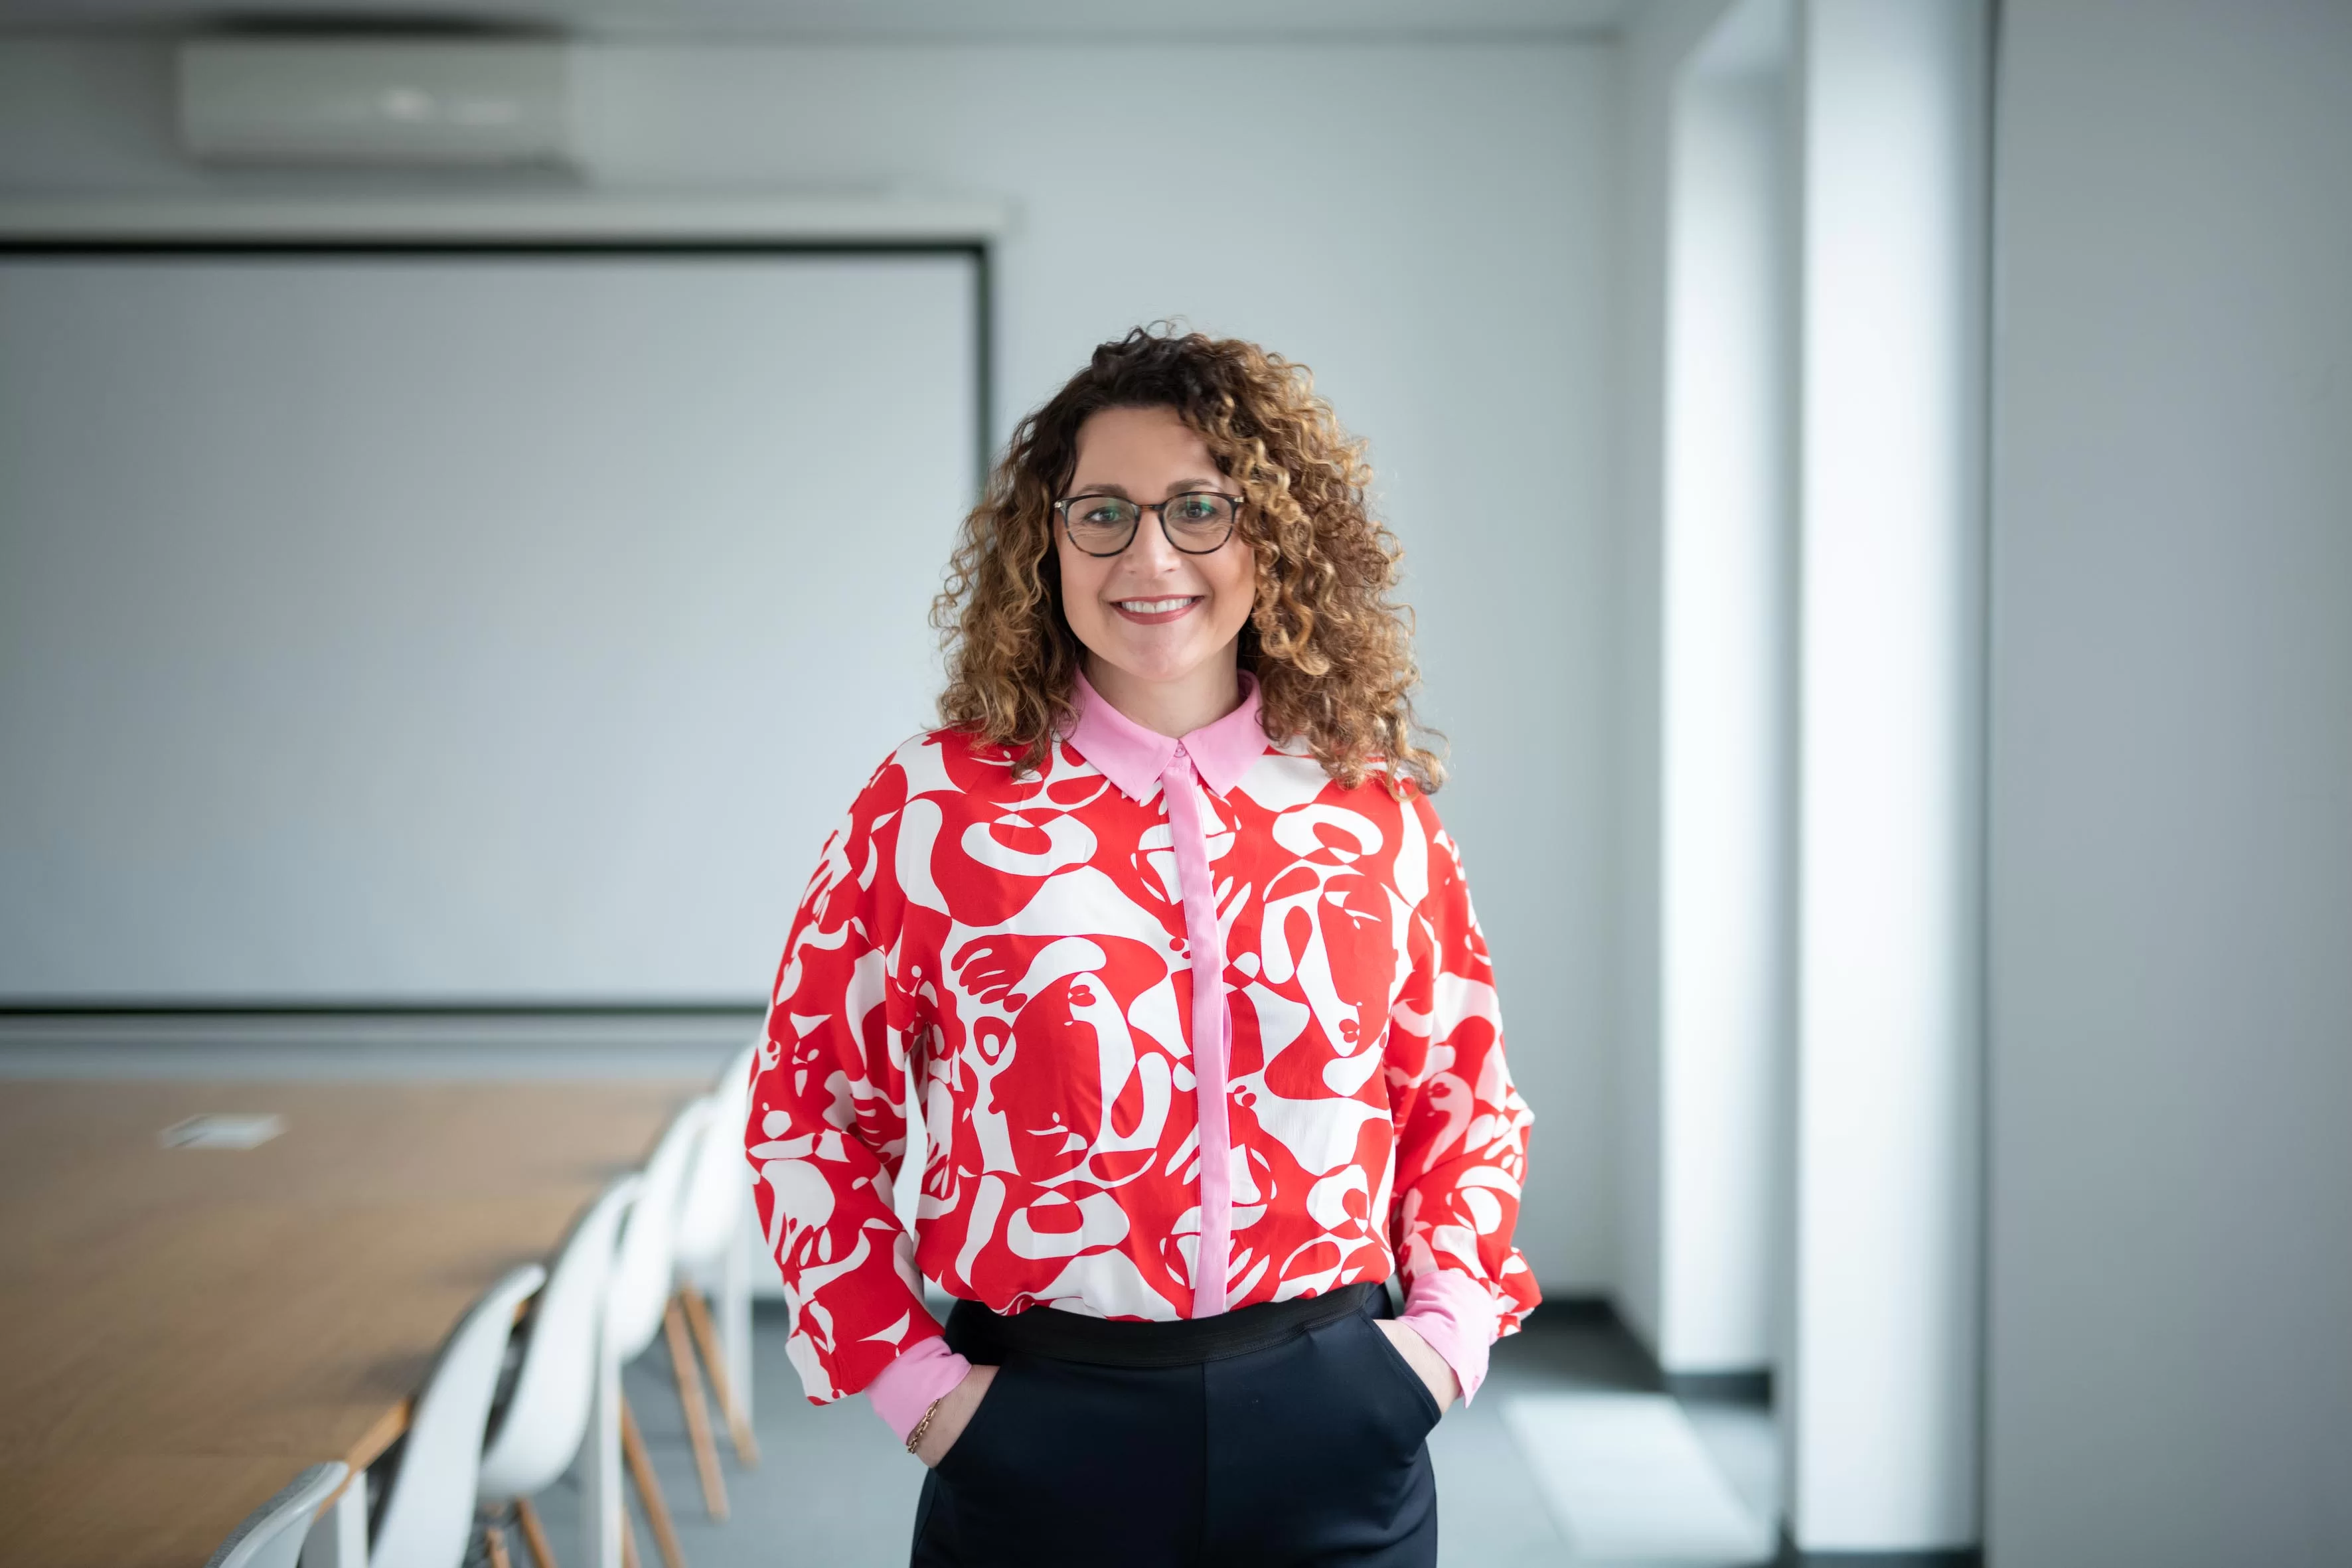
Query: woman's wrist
x,y
1455,1316
1445,1385
942,1425
922,1428
912,1384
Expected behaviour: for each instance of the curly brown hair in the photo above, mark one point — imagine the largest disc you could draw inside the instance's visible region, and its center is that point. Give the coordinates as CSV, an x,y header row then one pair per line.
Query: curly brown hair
x,y
1332,655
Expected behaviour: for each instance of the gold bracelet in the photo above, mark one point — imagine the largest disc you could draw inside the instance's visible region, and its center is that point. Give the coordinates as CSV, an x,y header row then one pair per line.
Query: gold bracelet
x,y
915,1437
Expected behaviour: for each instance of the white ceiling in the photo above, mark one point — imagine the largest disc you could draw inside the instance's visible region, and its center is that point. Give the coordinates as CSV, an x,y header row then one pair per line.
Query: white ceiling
x,y
909,19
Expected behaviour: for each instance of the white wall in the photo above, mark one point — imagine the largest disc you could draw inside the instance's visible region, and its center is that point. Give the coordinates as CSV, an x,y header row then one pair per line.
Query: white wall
x,y
1428,226
2170,1307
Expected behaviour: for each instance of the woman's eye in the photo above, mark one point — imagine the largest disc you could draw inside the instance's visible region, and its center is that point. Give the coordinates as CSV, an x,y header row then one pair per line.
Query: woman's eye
x,y
1195,508
1103,515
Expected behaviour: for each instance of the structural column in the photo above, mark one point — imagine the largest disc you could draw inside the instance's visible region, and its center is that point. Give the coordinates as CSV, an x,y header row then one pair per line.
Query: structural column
x,y
1882,1370
1724,817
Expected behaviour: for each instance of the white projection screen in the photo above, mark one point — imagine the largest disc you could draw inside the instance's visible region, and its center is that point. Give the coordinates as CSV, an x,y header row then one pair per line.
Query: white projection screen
x,y
444,629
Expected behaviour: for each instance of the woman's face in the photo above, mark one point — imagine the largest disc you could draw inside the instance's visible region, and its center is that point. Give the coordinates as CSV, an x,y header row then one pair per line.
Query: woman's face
x,y
1153,613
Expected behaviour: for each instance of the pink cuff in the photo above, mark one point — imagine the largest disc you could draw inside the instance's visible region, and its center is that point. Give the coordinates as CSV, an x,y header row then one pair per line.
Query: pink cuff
x,y
1457,1317
902,1391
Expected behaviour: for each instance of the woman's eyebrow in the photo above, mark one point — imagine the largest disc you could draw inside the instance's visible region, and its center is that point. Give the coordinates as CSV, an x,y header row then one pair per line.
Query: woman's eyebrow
x,y
1111,488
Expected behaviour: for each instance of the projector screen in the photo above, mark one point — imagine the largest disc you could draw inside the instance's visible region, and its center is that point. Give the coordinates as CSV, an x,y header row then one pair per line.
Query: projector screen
x,y
445,629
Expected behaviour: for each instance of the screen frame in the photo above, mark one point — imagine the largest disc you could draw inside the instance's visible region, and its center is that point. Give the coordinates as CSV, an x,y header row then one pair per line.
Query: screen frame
x,y
979,252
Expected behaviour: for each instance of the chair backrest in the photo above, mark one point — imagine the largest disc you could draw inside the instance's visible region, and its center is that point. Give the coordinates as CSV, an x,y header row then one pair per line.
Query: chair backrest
x,y
429,1513
547,1416
271,1535
642,1271
712,1203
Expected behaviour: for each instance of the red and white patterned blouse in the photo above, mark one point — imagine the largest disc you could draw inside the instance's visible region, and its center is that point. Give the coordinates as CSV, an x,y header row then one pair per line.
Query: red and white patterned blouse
x,y
1143,1098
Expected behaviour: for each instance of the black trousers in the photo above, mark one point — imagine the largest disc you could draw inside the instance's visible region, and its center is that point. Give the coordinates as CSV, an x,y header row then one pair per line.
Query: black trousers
x,y
1307,1451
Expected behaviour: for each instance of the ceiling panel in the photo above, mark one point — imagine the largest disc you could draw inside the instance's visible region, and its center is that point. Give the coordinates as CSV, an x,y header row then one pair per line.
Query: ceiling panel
x,y
910,19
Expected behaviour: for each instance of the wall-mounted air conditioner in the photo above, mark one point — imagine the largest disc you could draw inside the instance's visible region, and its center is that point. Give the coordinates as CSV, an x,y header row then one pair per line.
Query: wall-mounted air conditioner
x,y
395,100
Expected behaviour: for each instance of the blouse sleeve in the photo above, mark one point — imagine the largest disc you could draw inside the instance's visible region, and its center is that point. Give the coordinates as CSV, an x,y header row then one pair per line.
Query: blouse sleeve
x,y
828,1125
1462,1129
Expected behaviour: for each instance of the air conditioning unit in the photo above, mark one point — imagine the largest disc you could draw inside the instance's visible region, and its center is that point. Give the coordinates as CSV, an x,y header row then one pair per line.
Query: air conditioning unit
x,y
384,100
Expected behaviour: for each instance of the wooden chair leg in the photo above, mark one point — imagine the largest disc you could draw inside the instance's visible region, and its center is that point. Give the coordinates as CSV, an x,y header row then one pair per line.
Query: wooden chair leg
x,y
497,1538
649,1492
628,1542
534,1534
706,1339
698,1415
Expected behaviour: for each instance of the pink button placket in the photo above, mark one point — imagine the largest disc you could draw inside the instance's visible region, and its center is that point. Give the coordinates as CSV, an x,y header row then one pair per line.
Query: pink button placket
x,y
1205,944
1133,758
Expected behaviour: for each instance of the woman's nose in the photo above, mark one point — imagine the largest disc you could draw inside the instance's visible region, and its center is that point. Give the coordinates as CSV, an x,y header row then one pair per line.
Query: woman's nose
x,y
1150,550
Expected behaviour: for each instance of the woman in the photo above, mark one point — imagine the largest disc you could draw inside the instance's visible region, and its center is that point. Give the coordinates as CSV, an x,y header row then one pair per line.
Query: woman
x,y
1204,1030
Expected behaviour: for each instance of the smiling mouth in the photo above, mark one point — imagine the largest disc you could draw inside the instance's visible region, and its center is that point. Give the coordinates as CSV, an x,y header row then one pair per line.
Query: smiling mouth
x,y
1153,611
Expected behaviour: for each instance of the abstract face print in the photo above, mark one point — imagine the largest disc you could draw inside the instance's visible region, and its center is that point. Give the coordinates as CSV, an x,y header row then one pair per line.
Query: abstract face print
x,y
1020,947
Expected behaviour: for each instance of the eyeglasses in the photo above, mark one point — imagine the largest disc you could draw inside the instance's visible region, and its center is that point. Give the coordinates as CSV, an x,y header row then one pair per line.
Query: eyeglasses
x,y
1197,523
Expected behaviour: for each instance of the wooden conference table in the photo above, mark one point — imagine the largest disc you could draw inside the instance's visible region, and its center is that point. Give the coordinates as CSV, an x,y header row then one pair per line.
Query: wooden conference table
x,y
182,1329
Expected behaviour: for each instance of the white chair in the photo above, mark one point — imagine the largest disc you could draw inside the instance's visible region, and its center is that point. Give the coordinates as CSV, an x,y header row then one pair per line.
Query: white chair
x,y
546,1417
711,1257
428,1511
634,1304
271,1535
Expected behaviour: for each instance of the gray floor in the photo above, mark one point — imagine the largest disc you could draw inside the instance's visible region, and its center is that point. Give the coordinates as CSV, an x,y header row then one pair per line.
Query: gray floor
x,y
834,1490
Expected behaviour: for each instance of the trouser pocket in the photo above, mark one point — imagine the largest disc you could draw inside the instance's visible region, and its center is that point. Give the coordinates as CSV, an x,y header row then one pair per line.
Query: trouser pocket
x,y
1317,1453
1069,1464
1402,1371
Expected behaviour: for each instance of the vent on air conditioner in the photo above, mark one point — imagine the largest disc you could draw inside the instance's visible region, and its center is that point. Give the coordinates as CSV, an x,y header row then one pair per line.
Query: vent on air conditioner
x,y
460,101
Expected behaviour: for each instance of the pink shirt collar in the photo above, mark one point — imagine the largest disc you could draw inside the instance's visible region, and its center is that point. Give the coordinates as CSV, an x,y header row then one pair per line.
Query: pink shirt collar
x,y
1133,757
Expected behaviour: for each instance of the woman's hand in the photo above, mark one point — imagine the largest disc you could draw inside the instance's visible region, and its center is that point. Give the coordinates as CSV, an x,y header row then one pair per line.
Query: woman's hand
x,y
1443,1386
955,1409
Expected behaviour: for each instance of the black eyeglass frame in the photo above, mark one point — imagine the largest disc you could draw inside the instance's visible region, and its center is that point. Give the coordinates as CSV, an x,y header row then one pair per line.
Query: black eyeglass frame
x,y
1061,510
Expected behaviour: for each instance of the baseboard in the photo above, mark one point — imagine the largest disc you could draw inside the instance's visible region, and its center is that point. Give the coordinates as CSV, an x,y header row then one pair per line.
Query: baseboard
x,y
1791,1555
1750,1387
388,1043
1594,1311
1746,1385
